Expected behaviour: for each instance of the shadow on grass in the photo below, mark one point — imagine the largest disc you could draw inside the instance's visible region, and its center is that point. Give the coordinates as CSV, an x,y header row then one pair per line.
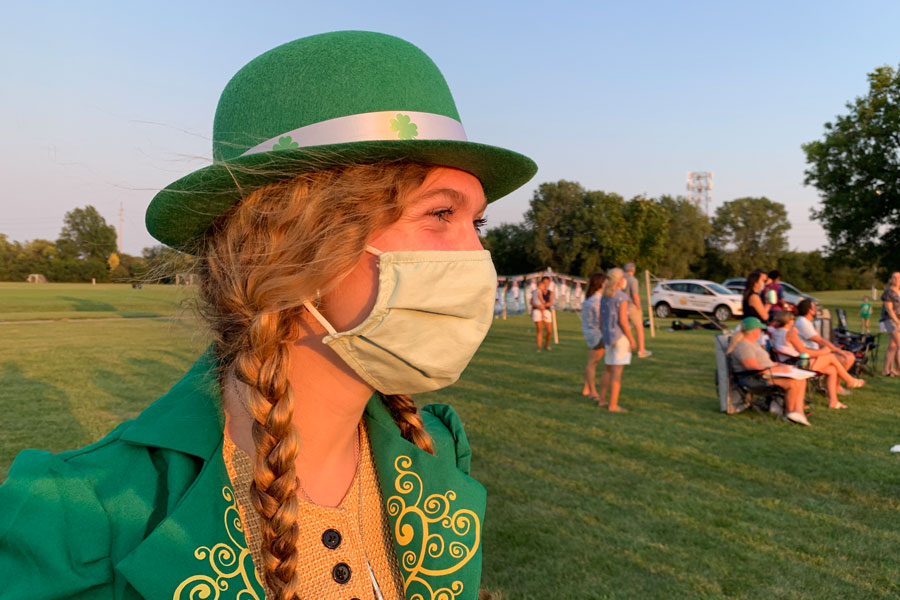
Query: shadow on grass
x,y
87,305
37,415
138,387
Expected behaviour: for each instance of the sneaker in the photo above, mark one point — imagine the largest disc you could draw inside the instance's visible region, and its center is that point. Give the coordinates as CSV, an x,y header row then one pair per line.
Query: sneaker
x,y
798,418
646,354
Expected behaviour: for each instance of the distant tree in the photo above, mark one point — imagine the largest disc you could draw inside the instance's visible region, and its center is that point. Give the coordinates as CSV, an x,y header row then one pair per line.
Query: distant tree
x,y
856,168
8,252
646,222
751,233
35,256
687,229
806,270
86,235
130,268
162,264
713,263
577,231
511,247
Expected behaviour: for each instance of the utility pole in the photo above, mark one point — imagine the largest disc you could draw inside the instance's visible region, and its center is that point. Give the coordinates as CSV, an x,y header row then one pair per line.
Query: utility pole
x,y
700,185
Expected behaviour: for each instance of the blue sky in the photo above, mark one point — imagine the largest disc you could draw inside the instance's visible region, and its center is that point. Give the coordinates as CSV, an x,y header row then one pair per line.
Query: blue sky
x,y
104,102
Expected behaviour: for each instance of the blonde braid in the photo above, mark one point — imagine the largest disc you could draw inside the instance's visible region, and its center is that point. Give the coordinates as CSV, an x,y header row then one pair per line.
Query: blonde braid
x,y
258,264
263,368
405,414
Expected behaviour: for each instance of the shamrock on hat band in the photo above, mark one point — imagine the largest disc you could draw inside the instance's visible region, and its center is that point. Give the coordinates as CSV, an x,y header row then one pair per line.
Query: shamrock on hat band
x,y
367,127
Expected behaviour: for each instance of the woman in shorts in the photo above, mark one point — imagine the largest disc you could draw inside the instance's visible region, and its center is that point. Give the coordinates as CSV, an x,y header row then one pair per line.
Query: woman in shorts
x,y
617,338
593,333
890,324
541,302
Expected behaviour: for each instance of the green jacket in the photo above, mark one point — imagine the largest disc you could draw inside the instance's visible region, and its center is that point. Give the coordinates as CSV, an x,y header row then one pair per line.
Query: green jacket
x,y
148,511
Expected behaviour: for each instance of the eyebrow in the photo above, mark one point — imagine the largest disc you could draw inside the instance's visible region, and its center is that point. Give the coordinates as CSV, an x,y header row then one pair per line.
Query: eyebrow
x,y
454,196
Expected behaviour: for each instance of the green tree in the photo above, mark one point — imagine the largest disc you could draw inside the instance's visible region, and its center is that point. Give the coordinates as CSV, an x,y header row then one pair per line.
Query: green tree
x,y
856,168
646,222
35,256
8,252
130,268
86,235
162,264
511,247
751,233
687,229
577,231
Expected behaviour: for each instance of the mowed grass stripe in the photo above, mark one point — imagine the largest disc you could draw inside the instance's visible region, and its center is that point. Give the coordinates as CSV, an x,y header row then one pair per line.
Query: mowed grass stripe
x,y
672,500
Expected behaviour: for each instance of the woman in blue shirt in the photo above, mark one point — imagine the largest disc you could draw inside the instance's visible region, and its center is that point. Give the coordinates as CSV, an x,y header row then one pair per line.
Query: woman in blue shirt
x,y
590,326
617,337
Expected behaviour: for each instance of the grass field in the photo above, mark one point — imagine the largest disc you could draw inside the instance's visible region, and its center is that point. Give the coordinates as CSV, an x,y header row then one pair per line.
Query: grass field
x,y
672,500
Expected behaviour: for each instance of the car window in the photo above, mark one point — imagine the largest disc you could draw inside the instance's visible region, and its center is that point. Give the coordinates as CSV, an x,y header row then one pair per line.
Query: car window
x,y
696,288
678,287
719,289
789,288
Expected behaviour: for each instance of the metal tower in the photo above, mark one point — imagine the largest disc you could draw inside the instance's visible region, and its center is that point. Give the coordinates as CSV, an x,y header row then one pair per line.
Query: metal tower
x,y
700,185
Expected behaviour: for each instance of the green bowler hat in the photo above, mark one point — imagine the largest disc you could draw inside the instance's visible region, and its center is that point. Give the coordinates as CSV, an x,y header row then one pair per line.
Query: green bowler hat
x,y
347,97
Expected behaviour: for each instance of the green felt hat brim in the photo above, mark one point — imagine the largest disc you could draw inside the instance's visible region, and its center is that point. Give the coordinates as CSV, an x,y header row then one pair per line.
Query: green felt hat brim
x,y
180,214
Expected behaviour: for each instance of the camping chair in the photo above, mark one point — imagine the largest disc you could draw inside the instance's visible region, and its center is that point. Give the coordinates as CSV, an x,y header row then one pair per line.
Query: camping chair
x,y
864,346
741,390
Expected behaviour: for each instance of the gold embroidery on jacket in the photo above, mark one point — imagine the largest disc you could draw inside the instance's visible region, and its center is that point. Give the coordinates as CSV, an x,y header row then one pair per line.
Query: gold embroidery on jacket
x,y
434,518
231,563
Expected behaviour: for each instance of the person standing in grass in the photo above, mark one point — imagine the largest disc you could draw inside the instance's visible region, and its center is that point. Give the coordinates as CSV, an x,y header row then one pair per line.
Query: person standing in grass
x,y
593,333
340,271
865,312
541,302
635,315
617,338
890,324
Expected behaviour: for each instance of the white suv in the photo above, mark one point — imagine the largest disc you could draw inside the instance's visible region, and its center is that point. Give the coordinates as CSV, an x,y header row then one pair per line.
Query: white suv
x,y
695,295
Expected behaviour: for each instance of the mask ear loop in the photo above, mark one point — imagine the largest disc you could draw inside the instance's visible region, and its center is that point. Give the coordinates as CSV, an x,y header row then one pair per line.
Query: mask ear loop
x,y
317,315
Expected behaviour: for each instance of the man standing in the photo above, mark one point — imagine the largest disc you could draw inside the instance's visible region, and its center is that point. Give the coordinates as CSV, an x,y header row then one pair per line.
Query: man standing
x,y
634,308
541,301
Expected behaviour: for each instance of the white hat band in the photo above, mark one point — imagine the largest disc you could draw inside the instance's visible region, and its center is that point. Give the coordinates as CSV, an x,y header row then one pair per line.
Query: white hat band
x,y
367,127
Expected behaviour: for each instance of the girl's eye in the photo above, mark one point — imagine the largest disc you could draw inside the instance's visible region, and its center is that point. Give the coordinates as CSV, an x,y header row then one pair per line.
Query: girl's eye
x,y
442,214
479,223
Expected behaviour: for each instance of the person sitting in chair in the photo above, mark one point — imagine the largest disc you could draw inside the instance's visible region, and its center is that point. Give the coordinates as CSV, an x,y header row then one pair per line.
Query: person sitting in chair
x,y
787,343
746,354
806,312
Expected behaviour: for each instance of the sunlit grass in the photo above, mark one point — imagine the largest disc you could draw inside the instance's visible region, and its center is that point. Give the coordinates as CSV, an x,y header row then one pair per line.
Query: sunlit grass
x,y
672,500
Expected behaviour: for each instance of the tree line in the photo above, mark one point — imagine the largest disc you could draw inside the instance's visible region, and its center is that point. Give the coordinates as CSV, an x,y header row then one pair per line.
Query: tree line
x,y
86,250
578,231
567,228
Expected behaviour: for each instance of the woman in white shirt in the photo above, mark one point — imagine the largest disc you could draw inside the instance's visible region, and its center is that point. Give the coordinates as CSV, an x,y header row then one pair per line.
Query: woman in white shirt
x,y
786,342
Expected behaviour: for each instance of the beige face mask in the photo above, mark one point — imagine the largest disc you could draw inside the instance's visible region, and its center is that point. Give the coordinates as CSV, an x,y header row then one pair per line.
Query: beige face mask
x,y
433,309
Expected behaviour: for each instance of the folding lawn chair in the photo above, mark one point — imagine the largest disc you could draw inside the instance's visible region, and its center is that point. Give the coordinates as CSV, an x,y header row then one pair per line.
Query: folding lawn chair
x,y
864,346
